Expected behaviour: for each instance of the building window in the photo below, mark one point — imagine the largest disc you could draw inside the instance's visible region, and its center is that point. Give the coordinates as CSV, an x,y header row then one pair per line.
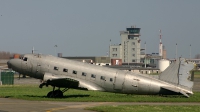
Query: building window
x,y
130,37
74,72
65,70
114,55
56,68
114,49
111,79
133,49
133,43
133,60
133,55
103,78
93,76
84,74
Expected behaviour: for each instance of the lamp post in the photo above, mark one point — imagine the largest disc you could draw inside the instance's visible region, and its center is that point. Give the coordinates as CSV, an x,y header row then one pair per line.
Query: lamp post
x,y
55,49
176,51
145,55
190,51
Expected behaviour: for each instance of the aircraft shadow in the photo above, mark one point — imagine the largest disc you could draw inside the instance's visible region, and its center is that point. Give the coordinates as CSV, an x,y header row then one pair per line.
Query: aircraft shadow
x,y
65,96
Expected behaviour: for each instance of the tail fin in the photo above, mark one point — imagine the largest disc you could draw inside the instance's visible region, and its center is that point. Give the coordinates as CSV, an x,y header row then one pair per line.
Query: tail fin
x,y
178,73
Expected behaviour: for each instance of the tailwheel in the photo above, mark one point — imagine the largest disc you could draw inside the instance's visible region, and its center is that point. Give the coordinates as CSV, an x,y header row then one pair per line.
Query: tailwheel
x,y
55,94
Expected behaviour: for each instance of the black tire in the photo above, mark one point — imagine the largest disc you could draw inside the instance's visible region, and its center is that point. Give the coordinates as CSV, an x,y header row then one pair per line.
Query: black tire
x,y
50,94
58,94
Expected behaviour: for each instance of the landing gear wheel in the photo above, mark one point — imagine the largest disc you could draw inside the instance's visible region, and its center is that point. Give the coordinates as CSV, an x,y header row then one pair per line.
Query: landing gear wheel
x,y
58,94
50,94
55,94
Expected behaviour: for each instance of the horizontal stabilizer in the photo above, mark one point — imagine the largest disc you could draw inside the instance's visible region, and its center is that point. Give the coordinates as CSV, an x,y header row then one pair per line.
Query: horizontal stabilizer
x,y
175,90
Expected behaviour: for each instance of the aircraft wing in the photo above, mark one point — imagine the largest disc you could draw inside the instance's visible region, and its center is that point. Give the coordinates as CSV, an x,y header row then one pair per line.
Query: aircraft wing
x,y
63,82
68,82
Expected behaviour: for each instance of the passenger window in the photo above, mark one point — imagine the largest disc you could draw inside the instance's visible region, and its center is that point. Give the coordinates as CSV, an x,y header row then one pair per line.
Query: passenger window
x,y
65,70
74,72
84,74
93,76
103,78
56,68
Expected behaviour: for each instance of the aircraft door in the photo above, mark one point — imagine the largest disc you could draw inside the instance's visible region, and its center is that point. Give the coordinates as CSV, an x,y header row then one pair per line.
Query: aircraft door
x,y
24,65
119,80
38,69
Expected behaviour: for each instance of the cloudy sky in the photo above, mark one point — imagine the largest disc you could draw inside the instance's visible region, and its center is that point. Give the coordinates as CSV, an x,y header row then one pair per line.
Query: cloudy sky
x,y
85,27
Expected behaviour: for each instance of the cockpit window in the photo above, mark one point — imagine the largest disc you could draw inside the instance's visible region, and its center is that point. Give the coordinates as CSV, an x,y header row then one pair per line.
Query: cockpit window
x,y
25,59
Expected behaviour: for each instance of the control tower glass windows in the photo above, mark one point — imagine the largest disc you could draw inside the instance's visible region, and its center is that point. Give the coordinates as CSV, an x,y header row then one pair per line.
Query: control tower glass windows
x,y
133,30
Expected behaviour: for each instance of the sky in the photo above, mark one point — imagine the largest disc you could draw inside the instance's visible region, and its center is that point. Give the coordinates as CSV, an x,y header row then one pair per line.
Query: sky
x,y
85,27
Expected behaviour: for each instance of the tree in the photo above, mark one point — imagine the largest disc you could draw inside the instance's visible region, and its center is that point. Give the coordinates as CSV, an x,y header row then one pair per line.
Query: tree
x,y
5,55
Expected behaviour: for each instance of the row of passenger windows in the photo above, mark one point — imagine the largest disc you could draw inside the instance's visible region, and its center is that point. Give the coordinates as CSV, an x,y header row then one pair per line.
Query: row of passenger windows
x,y
83,74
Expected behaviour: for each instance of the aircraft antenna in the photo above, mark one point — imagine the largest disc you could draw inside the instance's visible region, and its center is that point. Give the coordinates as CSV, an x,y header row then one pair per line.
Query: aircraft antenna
x,y
160,46
33,50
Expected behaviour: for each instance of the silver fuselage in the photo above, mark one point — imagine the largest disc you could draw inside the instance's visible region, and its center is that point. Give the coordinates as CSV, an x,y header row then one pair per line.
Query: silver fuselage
x,y
91,77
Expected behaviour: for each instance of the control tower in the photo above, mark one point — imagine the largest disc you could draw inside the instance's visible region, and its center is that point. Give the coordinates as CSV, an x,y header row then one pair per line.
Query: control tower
x,y
129,49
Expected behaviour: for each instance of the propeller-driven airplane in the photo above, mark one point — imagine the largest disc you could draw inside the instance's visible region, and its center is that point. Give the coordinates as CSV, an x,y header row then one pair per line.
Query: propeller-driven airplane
x,y
64,73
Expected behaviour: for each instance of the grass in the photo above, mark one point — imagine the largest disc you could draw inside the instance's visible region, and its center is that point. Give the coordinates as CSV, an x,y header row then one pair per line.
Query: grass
x,y
32,92
144,108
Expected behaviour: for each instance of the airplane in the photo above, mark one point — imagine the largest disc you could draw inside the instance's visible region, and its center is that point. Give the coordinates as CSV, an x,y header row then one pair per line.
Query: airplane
x,y
65,73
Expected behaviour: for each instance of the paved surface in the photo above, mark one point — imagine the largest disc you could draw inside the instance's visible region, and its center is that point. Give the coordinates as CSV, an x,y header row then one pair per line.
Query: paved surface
x,y
16,105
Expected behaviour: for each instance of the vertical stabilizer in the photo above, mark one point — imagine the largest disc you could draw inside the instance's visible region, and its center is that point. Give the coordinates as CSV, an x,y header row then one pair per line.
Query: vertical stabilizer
x,y
178,73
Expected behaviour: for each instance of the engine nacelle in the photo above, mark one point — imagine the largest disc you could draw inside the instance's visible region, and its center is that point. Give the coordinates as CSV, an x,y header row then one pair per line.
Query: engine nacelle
x,y
49,76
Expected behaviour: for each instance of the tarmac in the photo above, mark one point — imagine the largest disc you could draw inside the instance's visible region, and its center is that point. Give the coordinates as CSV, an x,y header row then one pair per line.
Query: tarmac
x,y
16,105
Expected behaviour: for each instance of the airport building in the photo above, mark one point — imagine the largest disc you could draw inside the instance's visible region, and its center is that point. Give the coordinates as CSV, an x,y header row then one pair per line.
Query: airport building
x,y
129,49
101,61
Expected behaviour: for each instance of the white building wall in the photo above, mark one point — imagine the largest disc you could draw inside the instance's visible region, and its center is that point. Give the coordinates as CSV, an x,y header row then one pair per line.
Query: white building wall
x,y
128,50
115,52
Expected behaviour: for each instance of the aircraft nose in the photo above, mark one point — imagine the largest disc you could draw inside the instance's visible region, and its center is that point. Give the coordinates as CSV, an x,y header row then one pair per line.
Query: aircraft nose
x,y
13,63
8,63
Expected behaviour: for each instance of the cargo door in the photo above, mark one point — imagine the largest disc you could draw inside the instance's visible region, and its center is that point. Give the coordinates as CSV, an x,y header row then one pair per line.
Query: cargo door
x,y
119,80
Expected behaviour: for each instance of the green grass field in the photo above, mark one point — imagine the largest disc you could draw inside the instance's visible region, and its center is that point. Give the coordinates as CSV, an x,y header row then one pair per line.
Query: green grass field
x,y
35,93
145,108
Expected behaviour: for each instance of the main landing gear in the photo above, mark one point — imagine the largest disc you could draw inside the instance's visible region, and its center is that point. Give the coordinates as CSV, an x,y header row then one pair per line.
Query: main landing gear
x,y
56,93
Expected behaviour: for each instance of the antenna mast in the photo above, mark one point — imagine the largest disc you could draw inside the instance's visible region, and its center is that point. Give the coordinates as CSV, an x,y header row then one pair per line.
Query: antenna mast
x,y
160,46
